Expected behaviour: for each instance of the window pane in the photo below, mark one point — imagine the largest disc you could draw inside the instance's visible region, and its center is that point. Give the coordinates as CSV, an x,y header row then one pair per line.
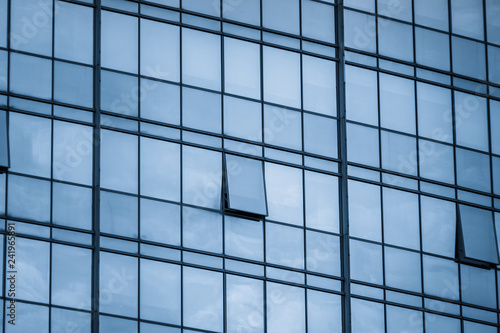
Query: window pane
x,y
160,222
31,26
29,198
282,15
3,25
74,38
318,21
360,31
30,139
72,206
119,93
33,259
441,277
468,58
286,316
395,39
118,295
243,118
434,112
494,64
323,312
244,238
245,304
202,306
282,76
201,110
119,167
473,170
73,84
201,54
367,316
320,135
119,42
478,286
112,324
365,5
399,153
282,127
284,245
401,223
437,324
402,269
399,10
438,226
319,80
36,319
245,185
467,18
365,211
492,13
160,50
71,276
403,320
73,148
495,126
470,327
397,103
119,214
478,234
202,230
363,145
322,201
202,177
436,161
160,292
366,262
242,68
323,253
30,76
61,319
160,101
284,193
361,95
160,169
202,6
471,121
4,65
243,11
432,13
432,49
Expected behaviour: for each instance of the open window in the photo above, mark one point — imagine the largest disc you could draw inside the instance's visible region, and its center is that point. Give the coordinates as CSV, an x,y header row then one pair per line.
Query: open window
x,y
476,238
4,143
244,187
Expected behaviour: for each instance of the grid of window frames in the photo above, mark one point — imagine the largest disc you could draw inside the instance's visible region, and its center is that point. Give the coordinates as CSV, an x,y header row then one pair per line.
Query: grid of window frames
x,y
123,115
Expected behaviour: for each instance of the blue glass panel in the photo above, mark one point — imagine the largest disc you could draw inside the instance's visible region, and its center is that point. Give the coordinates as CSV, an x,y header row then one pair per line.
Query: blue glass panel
x,y
243,118
73,84
201,54
284,245
201,110
470,327
401,9
30,76
119,165
61,320
160,101
245,305
367,316
468,58
399,153
72,152
438,226
432,49
160,50
73,35
473,170
365,211
119,214
404,320
119,42
494,64
397,103
160,288
242,68
363,145
402,269
288,316
4,65
323,253
118,285
112,324
436,161
244,238
478,286
366,262
160,222
467,18
282,127
202,230
31,26
318,21
30,140
322,201
284,193
71,276
72,206
160,169
478,232
368,6
203,299
36,319
441,277
401,223
361,95
323,312
282,77
492,13
495,126
282,15
247,11
318,77
432,13
471,121
434,112
202,6
395,39
437,324
119,93
29,198
3,25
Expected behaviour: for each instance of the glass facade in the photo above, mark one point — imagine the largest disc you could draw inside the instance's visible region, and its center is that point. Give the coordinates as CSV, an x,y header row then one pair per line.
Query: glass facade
x,y
264,166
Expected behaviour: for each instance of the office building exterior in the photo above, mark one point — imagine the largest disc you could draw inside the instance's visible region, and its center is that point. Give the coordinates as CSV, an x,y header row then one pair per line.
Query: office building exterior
x,y
246,166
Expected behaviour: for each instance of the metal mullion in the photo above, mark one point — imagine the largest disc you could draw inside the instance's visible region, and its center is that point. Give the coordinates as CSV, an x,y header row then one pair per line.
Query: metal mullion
x,y
181,156
51,166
